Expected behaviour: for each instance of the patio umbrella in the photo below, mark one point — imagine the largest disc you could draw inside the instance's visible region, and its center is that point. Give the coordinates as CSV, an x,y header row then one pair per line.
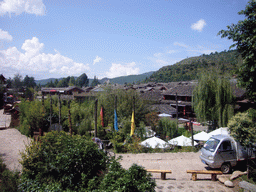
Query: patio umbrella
x,y
222,130
155,142
181,141
202,136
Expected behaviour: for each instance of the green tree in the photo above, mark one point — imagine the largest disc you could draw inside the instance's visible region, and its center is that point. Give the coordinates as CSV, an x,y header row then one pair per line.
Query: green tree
x,y
17,81
29,81
63,82
244,35
242,128
95,82
72,81
213,99
82,80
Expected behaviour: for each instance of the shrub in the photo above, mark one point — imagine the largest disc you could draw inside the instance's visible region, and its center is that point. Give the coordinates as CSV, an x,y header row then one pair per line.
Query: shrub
x,y
9,179
61,160
135,178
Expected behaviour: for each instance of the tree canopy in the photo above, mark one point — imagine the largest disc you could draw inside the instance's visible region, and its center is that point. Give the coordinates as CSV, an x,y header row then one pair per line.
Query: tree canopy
x,y
213,99
82,80
244,35
95,81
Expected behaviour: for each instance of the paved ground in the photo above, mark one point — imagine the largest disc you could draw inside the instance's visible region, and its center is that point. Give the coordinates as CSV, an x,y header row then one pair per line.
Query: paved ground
x,y
5,119
178,163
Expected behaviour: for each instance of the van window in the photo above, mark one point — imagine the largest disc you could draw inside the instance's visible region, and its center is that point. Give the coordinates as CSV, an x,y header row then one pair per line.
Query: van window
x,y
211,144
225,146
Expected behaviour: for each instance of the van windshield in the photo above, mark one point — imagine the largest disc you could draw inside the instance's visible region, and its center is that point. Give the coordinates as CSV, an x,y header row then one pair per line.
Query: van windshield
x,y
211,144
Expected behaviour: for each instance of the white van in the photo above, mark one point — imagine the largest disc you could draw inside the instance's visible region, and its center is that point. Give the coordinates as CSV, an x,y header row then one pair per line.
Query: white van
x,y
222,151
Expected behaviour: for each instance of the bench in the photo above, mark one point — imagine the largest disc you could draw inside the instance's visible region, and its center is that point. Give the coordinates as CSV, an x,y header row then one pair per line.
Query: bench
x,y
163,172
213,173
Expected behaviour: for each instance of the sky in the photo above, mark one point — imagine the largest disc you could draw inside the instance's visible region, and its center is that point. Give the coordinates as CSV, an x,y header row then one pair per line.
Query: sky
x,y
109,38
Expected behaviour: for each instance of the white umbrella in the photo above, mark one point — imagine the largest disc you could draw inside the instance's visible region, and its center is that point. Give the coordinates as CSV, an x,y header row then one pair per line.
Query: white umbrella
x,y
155,142
181,141
202,136
164,115
222,130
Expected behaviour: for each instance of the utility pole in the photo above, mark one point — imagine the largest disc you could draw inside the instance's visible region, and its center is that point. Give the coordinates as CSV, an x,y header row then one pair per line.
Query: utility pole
x,y
69,119
176,98
50,110
95,117
192,132
59,111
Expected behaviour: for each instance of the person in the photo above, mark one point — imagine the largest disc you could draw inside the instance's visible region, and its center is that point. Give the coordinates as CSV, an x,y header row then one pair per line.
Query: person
x,y
98,142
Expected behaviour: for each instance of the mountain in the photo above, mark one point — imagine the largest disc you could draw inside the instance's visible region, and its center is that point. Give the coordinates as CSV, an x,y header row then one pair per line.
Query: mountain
x,y
118,80
225,63
128,79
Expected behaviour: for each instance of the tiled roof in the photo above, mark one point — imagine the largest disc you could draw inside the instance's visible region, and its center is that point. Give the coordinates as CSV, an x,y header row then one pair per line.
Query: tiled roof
x,y
163,108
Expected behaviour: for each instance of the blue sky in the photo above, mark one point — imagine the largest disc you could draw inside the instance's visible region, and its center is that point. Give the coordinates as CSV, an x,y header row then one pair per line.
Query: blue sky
x,y
60,38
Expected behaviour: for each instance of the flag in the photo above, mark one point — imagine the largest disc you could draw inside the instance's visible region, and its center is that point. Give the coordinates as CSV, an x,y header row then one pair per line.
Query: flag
x,y
115,121
132,124
102,117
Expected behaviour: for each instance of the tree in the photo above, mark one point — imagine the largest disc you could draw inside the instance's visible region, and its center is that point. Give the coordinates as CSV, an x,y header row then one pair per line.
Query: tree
x,y
95,82
213,99
29,81
244,35
72,81
242,128
82,80
17,81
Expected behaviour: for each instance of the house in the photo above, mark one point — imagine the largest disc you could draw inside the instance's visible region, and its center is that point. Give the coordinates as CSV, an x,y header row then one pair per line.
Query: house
x,y
180,96
61,90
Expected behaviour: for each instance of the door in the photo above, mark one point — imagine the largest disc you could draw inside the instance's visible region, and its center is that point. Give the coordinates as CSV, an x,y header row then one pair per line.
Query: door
x,y
227,152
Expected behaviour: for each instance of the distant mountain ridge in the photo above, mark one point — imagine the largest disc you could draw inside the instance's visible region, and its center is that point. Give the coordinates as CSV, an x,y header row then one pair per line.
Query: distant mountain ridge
x,y
118,80
225,63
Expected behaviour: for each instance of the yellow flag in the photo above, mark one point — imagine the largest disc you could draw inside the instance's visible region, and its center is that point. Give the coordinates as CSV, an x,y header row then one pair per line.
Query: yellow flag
x,y
132,124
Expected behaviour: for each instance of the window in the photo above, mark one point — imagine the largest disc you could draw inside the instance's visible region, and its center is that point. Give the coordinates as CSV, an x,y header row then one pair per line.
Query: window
x,y
226,146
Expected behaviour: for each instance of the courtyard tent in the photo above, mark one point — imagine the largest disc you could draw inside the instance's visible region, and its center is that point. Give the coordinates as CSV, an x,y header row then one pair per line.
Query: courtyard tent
x,y
181,141
155,142
164,115
202,136
222,130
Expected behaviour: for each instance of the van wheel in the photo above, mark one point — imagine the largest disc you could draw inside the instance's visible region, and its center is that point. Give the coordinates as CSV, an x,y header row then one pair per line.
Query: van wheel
x,y
225,168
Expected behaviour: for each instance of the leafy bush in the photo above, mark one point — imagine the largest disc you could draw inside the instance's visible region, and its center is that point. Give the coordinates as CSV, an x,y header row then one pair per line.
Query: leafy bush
x,y
9,180
68,162
135,178
61,162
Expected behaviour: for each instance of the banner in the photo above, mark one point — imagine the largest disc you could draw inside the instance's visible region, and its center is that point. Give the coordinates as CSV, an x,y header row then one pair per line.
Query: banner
x,y
102,117
132,124
115,121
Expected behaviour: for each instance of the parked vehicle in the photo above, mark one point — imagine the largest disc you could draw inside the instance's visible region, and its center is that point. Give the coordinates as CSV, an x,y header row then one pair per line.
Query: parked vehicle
x,y
222,151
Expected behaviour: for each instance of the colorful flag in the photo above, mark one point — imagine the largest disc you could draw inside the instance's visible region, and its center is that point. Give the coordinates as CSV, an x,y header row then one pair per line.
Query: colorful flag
x,y
132,124
102,117
115,120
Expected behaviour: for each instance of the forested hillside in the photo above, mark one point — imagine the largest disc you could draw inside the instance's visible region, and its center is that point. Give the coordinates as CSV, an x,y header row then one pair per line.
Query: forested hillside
x,y
225,63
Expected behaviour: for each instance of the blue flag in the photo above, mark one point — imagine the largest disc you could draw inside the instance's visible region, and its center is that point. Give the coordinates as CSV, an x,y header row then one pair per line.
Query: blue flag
x,y
115,121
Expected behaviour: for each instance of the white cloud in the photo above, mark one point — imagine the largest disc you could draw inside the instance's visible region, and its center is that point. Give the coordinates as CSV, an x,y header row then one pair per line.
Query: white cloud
x,y
158,54
34,60
180,44
19,6
199,25
97,60
5,35
171,51
117,70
